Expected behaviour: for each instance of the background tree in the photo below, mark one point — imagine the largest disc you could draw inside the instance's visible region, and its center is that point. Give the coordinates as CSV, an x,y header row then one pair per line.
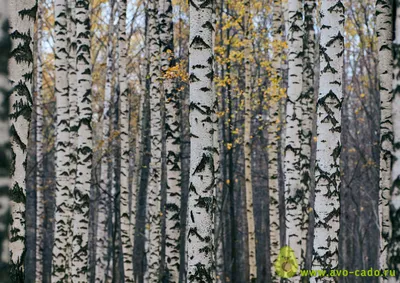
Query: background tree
x,y
273,134
154,187
39,147
104,191
247,145
172,135
126,228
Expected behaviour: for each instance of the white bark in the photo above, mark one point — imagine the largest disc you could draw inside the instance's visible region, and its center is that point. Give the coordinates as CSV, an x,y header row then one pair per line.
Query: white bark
x,y
73,91
201,202
73,111
308,110
327,173
172,128
293,194
273,135
385,70
63,185
126,228
21,68
84,147
247,146
154,187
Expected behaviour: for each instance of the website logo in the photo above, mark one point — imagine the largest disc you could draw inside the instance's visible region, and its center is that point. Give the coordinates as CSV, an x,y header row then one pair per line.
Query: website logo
x,y
286,265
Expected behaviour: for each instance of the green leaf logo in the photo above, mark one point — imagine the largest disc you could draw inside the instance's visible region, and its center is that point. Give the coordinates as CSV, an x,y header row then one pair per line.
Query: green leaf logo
x,y
286,265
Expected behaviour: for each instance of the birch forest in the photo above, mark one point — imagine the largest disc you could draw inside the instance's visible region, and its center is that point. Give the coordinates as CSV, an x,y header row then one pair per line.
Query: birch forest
x,y
200,141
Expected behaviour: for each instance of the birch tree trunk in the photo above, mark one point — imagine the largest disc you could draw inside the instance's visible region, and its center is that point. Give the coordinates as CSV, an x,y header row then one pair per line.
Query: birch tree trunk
x,y
154,187
327,173
133,136
293,193
103,208
137,165
116,262
273,135
394,246
84,147
385,70
126,228
39,150
63,186
73,111
248,145
308,110
172,128
5,147
22,16
203,124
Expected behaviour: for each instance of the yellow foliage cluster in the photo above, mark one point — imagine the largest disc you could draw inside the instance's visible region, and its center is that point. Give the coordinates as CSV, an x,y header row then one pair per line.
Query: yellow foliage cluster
x,y
178,71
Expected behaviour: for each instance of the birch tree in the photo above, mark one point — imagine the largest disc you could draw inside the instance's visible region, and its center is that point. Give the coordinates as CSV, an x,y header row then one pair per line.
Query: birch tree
x,y
308,110
172,128
73,111
394,247
39,149
63,186
247,146
126,228
154,186
22,15
327,173
137,163
114,234
273,134
385,71
202,186
5,147
102,217
84,147
293,121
